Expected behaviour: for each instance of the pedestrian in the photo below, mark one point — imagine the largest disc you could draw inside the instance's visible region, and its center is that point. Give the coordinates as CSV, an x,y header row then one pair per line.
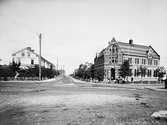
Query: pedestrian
x,y
131,79
166,83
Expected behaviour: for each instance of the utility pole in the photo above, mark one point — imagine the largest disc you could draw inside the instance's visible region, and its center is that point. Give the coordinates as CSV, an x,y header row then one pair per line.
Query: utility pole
x,y
57,64
40,36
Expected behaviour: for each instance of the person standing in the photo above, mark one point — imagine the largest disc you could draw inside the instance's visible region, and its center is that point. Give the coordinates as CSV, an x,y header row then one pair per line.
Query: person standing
x,y
166,83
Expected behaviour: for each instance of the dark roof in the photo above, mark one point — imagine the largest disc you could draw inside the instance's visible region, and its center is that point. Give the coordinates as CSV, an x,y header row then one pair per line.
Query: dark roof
x,y
131,49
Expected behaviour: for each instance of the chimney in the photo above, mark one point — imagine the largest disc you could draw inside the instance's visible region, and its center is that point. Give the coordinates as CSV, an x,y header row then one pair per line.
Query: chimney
x,y
131,42
29,48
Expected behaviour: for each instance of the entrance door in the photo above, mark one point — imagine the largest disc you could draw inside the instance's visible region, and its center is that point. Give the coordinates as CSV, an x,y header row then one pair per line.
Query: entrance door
x,y
112,73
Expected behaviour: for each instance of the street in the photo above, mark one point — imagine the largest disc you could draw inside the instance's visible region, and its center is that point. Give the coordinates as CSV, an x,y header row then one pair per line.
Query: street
x,y
68,101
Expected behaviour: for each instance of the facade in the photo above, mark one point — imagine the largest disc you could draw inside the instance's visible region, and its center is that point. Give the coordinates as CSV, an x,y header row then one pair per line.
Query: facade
x,y
27,57
109,60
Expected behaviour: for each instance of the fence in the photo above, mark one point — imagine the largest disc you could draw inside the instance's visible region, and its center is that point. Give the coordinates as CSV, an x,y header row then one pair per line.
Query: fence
x,y
21,78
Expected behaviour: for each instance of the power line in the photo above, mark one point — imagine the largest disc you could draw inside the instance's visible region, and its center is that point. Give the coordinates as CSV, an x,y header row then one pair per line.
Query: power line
x,y
15,35
18,24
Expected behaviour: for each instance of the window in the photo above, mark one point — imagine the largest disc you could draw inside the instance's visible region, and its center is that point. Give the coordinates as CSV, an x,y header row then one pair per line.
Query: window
x,y
149,61
112,59
155,74
143,61
110,50
109,59
135,74
28,54
116,59
114,49
32,62
148,73
155,62
23,53
130,60
136,60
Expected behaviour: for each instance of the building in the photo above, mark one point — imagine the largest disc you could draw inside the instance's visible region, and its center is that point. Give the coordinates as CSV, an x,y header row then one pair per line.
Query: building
x,y
111,58
62,72
27,57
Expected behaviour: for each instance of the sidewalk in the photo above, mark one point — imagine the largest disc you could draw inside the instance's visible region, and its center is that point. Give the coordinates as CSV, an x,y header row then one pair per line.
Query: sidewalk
x,y
42,81
156,87
50,80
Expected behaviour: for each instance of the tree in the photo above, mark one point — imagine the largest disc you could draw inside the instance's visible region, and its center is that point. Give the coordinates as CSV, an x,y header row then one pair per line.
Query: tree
x,y
99,74
14,66
160,72
92,71
125,70
142,71
85,71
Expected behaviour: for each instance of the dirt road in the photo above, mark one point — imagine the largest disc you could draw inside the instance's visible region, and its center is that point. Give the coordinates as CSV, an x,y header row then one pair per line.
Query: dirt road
x,y
65,102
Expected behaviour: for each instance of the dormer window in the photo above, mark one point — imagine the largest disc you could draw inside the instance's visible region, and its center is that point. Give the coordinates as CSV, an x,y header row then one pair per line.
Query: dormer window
x,y
23,53
28,54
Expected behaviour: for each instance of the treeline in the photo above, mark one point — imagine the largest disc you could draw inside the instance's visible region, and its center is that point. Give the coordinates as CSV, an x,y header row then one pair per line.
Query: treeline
x,y
85,71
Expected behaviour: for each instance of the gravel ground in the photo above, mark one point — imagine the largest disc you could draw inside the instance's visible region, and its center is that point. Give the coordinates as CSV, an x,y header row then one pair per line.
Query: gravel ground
x,y
65,102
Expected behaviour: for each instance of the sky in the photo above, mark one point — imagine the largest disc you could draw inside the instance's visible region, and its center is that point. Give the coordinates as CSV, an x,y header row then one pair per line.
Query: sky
x,y
73,31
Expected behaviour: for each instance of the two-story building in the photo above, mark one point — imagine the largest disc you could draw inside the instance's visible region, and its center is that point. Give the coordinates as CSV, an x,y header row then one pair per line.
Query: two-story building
x,y
27,57
111,58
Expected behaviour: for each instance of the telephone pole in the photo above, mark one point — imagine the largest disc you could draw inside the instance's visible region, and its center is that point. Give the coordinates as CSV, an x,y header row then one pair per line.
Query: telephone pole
x,y
57,65
40,36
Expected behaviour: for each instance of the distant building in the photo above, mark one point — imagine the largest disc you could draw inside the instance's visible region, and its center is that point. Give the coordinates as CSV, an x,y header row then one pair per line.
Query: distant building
x,y
27,57
111,58
62,72
75,71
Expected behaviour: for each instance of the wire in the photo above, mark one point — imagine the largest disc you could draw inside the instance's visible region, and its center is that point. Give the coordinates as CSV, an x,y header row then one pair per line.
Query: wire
x,y
18,24
17,36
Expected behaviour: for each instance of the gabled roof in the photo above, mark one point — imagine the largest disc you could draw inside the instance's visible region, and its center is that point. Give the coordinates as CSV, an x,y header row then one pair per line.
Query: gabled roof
x,y
113,40
135,49
131,49
101,53
29,49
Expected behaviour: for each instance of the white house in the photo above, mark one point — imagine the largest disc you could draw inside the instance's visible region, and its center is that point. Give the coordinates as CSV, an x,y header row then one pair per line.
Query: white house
x,y
27,57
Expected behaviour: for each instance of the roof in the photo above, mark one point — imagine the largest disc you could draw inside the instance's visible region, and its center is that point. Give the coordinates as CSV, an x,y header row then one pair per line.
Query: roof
x,y
27,48
135,49
131,49
32,51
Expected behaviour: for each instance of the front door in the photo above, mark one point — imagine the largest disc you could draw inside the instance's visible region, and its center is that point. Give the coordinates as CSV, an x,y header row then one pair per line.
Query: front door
x,y
112,73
